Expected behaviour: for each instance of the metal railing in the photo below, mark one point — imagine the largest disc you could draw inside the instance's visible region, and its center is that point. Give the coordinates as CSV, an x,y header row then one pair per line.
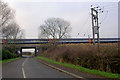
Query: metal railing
x,y
61,41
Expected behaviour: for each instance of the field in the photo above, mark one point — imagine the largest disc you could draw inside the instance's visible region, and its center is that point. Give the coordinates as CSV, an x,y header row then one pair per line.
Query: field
x,y
106,58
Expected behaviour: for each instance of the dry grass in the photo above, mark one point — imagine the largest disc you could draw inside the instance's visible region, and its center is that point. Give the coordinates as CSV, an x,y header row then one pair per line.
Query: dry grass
x,y
106,59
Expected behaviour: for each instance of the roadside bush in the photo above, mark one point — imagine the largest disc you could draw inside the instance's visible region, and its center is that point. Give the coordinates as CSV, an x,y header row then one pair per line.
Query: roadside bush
x,y
107,58
6,54
15,55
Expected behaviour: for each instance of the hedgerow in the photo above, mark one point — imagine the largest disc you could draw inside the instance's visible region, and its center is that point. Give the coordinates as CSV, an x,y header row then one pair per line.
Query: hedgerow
x,y
107,58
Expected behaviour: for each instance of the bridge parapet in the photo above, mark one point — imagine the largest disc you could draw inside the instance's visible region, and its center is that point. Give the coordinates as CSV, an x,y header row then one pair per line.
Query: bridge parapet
x,y
61,41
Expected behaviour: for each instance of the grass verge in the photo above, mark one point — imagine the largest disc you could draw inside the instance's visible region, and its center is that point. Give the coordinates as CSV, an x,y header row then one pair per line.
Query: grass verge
x,y
96,72
8,60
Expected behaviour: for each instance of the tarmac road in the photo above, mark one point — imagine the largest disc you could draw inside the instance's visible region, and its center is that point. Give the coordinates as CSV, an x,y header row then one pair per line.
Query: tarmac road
x,y
30,68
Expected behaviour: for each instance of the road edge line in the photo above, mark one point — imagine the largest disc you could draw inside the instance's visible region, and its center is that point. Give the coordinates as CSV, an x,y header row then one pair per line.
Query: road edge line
x,y
61,70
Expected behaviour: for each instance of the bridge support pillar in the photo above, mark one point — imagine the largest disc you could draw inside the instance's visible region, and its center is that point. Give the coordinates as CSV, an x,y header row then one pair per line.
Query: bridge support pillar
x,y
20,52
35,51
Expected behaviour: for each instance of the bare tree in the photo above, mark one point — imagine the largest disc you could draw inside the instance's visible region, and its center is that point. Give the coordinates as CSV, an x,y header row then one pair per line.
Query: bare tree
x,y
6,13
8,28
55,28
12,31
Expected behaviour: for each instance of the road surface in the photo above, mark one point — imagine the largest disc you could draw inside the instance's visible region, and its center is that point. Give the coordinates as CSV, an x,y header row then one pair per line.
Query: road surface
x,y
30,68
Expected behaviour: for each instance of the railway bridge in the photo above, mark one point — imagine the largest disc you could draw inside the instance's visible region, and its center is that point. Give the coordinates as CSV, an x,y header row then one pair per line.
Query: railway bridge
x,y
42,44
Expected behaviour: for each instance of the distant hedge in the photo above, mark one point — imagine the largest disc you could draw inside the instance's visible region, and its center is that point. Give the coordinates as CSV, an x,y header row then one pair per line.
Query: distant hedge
x,y
6,54
85,55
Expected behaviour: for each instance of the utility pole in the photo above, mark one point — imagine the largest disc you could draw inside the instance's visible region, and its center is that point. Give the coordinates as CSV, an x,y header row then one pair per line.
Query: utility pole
x,y
98,31
95,24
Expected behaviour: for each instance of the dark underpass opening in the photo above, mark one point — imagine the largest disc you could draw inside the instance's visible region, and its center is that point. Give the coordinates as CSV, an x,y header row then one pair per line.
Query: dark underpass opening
x,y
28,51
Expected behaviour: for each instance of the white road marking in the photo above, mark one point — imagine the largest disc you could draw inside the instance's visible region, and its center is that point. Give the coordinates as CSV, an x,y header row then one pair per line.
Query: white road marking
x,y
74,75
24,76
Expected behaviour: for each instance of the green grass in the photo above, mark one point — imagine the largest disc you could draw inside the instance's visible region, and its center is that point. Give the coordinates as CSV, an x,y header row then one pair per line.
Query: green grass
x,y
8,60
96,72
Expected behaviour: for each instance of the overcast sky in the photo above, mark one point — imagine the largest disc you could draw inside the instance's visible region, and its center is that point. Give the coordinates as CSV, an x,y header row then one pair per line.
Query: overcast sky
x,y
28,50
31,14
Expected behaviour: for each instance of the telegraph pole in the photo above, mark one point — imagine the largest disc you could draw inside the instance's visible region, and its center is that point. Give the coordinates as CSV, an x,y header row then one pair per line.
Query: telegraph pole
x,y
95,24
98,31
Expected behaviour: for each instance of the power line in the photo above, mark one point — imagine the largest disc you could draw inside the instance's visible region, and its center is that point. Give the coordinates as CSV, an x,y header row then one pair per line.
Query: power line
x,y
84,30
109,5
104,18
83,25
95,22
88,30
